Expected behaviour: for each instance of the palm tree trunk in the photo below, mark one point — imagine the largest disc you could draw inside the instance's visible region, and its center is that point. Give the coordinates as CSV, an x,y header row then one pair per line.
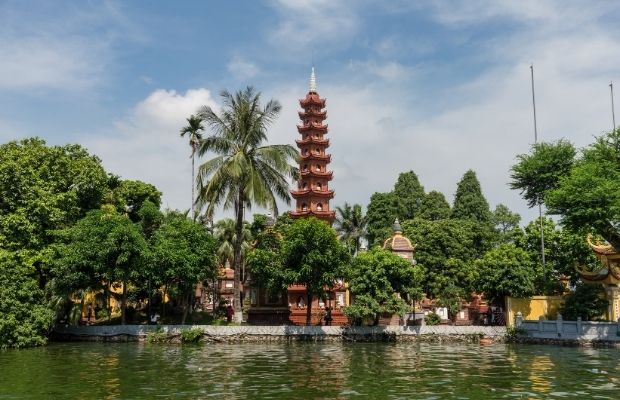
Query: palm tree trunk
x,y
193,195
237,257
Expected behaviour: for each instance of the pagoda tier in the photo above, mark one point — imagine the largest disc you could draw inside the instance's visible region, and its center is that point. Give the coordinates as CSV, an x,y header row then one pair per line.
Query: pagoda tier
x,y
313,194
311,113
312,140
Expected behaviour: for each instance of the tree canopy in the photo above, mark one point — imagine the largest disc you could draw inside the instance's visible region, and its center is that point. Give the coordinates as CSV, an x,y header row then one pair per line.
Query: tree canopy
x,y
381,283
469,202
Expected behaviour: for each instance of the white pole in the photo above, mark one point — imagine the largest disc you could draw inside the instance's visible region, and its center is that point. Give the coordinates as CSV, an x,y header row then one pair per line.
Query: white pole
x,y
540,217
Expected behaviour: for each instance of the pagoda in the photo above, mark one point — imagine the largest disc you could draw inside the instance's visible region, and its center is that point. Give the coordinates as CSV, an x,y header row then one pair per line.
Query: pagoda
x,y
313,194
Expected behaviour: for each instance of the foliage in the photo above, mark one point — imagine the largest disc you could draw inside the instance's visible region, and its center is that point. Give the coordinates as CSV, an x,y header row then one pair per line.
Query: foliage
x,y
409,195
505,271
514,331
432,319
130,196
100,249
312,256
381,213
351,225
191,335
435,206
226,235
506,224
446,250
381,283
541,171
587,301
182,254
157,336
584,191
244,171
192,130
25,318
469,202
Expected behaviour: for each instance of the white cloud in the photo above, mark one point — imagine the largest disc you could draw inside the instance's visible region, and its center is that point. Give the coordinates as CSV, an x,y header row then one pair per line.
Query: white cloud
x,y
242,69
389,71
146,145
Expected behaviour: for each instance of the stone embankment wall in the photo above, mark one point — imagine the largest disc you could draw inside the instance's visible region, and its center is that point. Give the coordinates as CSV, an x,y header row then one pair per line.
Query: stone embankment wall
x,y
559,331
439,333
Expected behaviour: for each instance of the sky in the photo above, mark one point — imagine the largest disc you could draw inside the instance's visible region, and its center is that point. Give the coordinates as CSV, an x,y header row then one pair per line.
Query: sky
x,y
437,87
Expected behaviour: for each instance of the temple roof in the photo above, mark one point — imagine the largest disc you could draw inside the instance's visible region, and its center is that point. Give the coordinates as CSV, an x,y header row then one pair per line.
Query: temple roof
x,y
601,248
398,242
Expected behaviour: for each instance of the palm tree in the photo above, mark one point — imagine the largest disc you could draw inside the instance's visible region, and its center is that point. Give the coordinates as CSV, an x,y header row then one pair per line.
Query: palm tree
x,y
351,224
226,235
192,130
244,171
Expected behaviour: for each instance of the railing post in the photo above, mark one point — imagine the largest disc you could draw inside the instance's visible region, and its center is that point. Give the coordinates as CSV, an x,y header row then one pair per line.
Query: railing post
x,y
578,326
559,324
540,324
519,319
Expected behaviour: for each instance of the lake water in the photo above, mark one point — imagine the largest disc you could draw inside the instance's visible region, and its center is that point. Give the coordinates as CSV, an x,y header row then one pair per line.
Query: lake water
x,y
308,371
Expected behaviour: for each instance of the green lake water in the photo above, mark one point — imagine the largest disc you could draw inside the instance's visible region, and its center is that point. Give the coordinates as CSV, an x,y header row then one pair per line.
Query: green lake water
x,y
308,371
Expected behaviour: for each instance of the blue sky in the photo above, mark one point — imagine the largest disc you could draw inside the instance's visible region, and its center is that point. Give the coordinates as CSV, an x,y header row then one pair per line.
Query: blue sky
x,y
435,87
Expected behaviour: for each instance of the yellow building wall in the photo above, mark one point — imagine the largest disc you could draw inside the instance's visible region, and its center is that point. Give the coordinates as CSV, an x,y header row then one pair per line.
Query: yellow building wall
x,y
532,308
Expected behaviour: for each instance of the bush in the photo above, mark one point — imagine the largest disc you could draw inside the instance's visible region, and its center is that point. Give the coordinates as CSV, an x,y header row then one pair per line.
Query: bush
x,y
191,335
513,331
587,301
432,319
158,336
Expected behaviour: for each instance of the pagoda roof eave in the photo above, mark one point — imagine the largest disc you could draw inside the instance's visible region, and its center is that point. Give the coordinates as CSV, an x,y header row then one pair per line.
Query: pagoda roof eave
x,y
317,193
312,140
326,175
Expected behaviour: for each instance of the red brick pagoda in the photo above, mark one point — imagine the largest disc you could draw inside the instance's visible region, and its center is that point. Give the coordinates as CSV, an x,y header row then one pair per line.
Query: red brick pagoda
x,y
313,194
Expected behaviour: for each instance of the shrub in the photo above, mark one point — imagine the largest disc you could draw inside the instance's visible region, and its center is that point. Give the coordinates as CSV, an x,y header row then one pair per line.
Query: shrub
x,y
513,331
158,336
191,335
432,319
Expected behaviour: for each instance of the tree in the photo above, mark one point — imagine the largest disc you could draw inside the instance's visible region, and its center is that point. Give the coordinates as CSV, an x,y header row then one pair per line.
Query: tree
x,y
587,301
243,172
129,196
192,130
435,206
506,223
538,172
182,254
446,250
312,256
381,283
381,213
469,202
351,225
505,271
108,246
26,318
409,195
226,236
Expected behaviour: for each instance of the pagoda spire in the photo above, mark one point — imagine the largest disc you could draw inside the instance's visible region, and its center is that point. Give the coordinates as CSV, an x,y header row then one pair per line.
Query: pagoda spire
x,y
313,194
312,81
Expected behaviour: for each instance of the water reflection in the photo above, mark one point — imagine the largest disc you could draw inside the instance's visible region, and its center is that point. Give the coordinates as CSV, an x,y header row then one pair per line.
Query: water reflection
x,y
308,370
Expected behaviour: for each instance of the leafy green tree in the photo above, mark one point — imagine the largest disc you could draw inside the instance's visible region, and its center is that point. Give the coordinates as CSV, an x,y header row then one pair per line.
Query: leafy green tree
x,y
192,130
25,316
244,171
409,194
469,202
381,283
108,246
506,223
587,301
446,250
351,225
435,206
381,213
505,271
312,256
541,171
182,254
130,195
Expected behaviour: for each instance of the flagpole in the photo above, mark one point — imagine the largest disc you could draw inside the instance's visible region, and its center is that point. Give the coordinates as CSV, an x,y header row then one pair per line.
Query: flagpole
x,y
540,217
613,114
